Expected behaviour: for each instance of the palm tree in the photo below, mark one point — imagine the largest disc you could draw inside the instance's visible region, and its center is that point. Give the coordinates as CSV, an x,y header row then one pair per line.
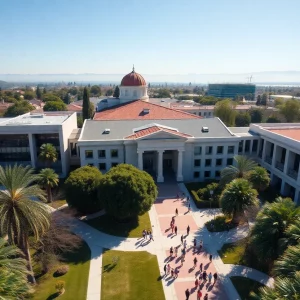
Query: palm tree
x,y
284,288
48,179
259,178
13,272
20,214
243,166
237,197
294,232
268,236
289,262
48,154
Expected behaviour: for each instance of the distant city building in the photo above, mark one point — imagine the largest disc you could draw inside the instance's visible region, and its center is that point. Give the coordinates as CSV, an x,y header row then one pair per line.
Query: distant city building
x,y
230,90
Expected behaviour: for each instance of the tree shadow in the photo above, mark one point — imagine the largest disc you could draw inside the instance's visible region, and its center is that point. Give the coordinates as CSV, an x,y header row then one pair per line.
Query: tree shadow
x,y
160,277
53,296
109,267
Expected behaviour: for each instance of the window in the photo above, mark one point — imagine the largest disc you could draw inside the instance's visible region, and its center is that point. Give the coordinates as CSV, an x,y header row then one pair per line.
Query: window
x,y
88,153
101,153
114,153
219,162
207,162
114,164
254,145
196,174
217,174
102,166
230,149
241,143
200,113
197,150
220,150
208,150
205,114
207,174
197,162
73,147
229,161
247,146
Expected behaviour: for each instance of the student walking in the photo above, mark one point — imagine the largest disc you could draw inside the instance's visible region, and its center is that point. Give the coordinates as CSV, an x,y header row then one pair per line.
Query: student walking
x,y
204,275
188,230
195,262
196,283
201,267
181,238
172,273
215,277
151,236
176,212
205,297
165,269
184,244
176,251
176,273
209,277
168,268
199,294
171,251
172,227
182,260
187,294
210,257
189,207
144,234
195,244
175,229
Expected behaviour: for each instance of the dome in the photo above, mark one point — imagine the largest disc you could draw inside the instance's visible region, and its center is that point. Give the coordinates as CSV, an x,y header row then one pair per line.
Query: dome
x,y
133,79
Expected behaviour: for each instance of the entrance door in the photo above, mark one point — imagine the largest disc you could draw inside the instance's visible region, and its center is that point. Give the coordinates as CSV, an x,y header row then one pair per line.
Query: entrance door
x,y
167,163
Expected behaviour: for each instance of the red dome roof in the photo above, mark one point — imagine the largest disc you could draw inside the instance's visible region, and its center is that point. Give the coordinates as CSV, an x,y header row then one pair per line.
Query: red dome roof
x,y
133,79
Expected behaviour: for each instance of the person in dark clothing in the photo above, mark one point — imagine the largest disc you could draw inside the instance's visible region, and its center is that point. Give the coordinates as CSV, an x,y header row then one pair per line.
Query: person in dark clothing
x,y
188,230
176,212
205,297
215,277
210,257
175,229
181,238
187,294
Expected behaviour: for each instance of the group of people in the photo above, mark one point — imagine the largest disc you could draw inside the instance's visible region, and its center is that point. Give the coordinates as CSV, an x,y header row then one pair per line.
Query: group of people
x,y
173,226
199,295
146,234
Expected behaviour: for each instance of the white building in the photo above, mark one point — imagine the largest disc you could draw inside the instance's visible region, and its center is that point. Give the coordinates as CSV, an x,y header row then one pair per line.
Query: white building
x,y
162,141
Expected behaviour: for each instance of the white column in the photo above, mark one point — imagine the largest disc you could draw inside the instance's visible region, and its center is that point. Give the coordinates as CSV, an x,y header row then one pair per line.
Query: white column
x,y
251,145
286,161
32,148
179,166
274,156
296,198
264,151
282,188
160,177
140,160
244,146
298,176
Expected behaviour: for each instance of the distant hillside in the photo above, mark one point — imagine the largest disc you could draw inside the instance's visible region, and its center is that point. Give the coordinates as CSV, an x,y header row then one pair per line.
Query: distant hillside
x,y
4,84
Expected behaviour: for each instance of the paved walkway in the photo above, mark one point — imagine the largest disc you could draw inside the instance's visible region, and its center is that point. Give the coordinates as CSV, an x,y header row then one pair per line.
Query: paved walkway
x,y
160,217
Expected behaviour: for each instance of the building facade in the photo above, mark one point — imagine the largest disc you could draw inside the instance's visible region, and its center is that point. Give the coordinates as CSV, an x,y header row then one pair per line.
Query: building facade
x,y
231,90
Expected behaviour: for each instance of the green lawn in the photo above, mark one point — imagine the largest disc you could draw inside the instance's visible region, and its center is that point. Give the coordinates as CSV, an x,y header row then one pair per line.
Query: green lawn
x,y
76,279
57,203
131,229
235,253
245,286
135,276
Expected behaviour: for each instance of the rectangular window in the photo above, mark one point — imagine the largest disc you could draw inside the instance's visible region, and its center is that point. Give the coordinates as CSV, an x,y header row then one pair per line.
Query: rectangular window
x,y
114,164
217,174
241,143
200,113
73,147
102,166
88,153
101,154
220,150
197,150
247,146
219,162
230,149
208,150
204,113
254,145
197,162
207,162
229,162
196,174
114,153
207,174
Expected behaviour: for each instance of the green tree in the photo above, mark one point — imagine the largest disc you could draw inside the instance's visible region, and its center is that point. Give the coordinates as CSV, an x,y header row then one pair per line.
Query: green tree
x,y
79,121
55,106
48,179
20,216
109,92
225,110
81,189
290,110
258,100
48,154
243,165
116,92
44,91
13,272
273,119
127,192
237,197
279,102
293,233
86,105
51,97
264,99
38,93
96,90
268,236
256,115
67,98
259,177
19,108
242,119
163,93
29,95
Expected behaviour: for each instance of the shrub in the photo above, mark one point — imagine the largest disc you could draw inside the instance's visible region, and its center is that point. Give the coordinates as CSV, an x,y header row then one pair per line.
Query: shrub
x,y
81,189
220,223
60,286
62,270
126,191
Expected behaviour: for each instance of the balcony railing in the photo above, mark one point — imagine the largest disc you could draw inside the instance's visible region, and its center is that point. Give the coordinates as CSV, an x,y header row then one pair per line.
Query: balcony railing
x,y
268,160
279,166
292,173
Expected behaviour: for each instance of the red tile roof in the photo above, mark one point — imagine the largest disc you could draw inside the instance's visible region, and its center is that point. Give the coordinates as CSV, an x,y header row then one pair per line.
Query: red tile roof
x,y
292,133
74,107
154,129
134,111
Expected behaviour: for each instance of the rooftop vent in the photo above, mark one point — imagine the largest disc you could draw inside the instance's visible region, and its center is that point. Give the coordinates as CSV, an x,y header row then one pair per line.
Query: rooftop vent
x,y
146,111
205,129
106,131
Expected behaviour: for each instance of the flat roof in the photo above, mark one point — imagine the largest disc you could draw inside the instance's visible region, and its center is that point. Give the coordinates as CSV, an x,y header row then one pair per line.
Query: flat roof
x,y
292,133
119,129
240,131
55,118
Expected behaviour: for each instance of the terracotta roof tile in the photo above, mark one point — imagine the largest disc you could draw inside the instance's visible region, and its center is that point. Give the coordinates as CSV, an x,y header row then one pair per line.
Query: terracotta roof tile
x,y
134,111
292,133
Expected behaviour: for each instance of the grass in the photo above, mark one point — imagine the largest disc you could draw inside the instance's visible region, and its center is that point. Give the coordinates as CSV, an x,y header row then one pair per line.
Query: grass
x,y
245,286
76,279
130,229
135,276
235,253
57,203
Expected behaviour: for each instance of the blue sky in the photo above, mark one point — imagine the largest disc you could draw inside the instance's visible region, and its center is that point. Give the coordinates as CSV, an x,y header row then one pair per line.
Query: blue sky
x,y
158,36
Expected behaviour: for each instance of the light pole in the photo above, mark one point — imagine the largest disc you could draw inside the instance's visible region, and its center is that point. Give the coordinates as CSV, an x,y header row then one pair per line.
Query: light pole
x,y
211,199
